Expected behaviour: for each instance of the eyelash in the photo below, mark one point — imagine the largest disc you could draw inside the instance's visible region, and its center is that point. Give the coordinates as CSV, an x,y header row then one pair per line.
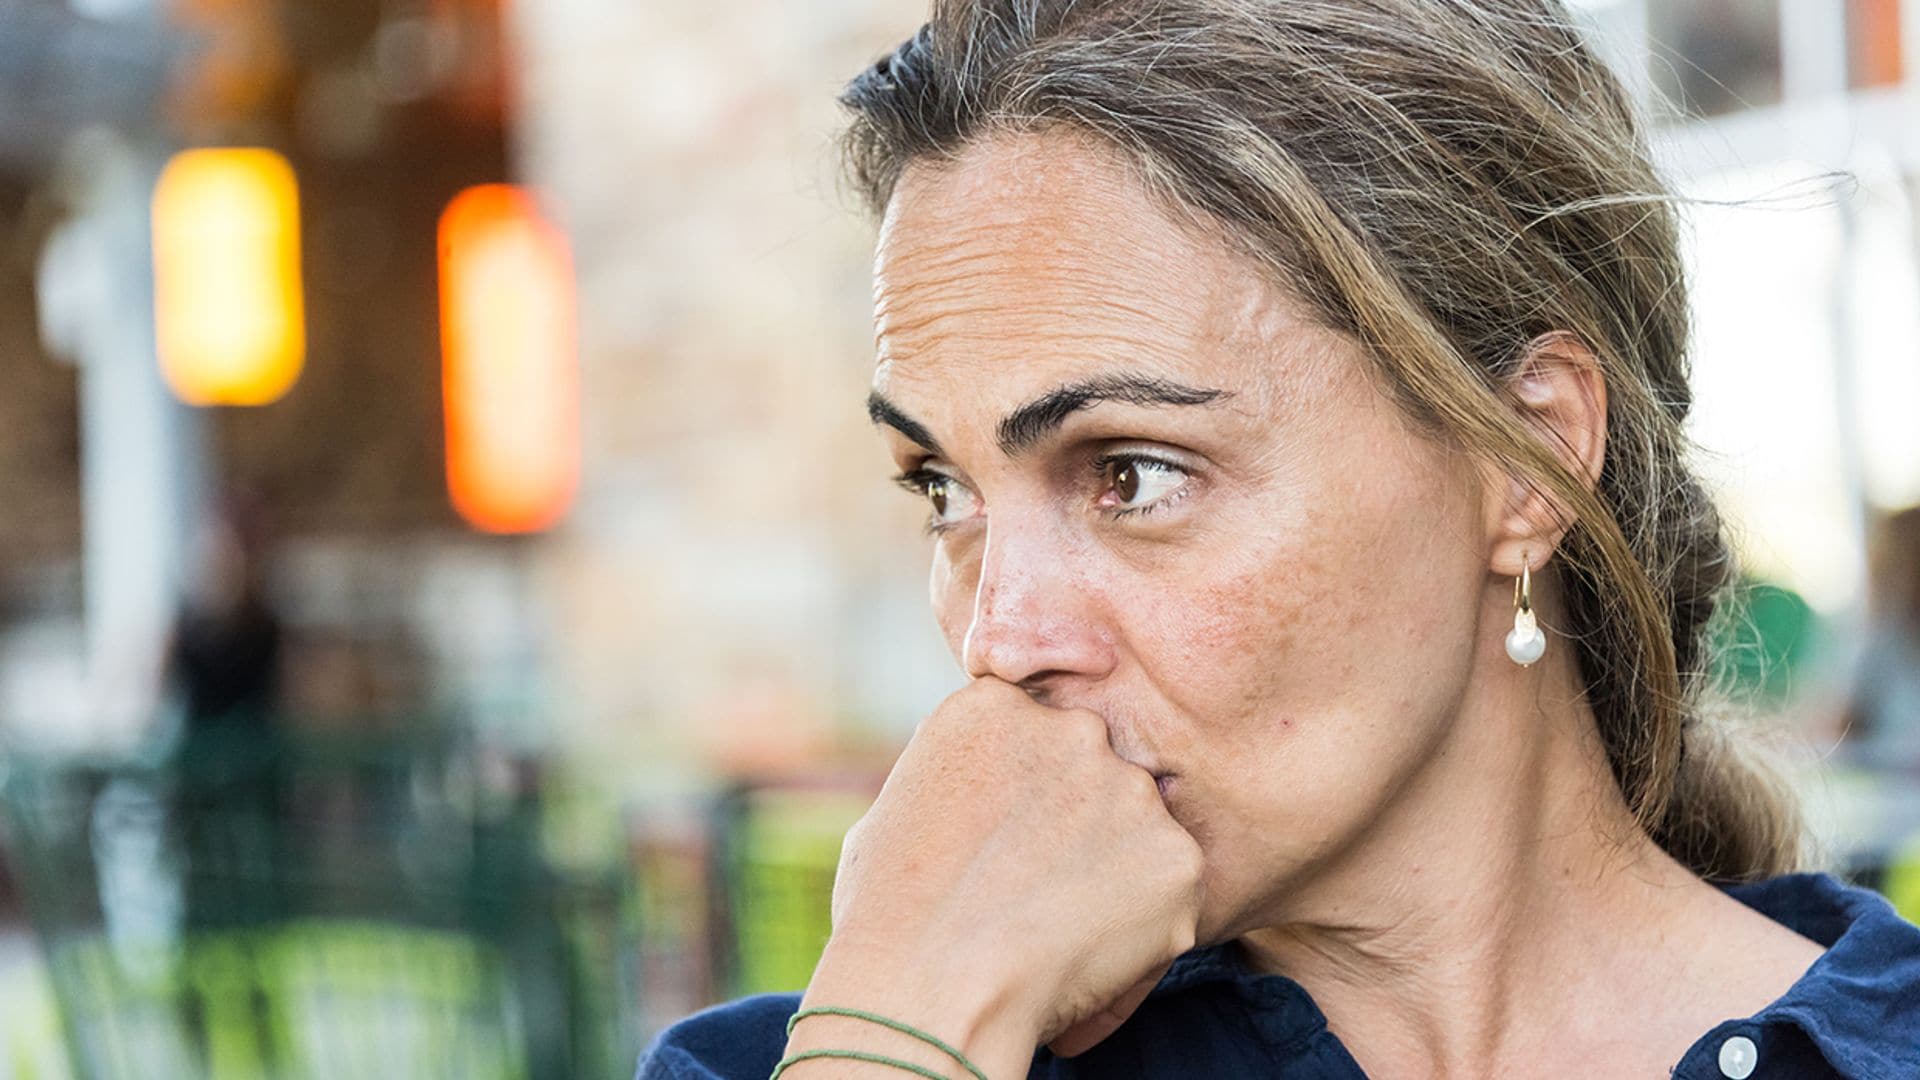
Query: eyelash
x,y
919,479
1102,463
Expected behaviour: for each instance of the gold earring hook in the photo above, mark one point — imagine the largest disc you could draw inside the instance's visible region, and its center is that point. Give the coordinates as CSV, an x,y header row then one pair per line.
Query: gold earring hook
x,y
1523,585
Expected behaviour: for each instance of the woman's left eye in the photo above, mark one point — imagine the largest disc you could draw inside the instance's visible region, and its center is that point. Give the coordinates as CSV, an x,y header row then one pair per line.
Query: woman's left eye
x,y
1135,482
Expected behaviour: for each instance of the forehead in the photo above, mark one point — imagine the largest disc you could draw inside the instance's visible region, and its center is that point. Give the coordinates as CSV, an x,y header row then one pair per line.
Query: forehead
x,y
1033,258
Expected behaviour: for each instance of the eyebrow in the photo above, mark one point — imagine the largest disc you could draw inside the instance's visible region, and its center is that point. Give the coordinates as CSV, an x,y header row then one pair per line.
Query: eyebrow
x,y
1027,425
882,411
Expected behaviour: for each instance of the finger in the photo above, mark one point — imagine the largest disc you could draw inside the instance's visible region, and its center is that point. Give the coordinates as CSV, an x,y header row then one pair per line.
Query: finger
x,y
1090,1032
991,684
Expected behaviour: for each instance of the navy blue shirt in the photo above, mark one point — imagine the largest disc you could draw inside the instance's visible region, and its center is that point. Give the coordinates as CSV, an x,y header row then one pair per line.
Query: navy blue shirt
x,y
1854,1014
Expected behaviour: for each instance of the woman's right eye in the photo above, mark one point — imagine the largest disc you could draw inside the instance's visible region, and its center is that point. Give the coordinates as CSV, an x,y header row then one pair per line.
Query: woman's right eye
x,y
951,500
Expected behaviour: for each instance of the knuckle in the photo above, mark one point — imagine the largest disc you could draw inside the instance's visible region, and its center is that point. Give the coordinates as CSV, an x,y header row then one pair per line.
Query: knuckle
x,y
935,722
1086,726
1185,867
973,697
1183,937
988,688
1192,856
1141,786
850,840
961,714
1192,861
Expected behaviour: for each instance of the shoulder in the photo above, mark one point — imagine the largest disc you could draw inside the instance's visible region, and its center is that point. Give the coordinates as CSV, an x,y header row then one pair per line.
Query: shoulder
x,y
1859,1003
1854,925
739,1039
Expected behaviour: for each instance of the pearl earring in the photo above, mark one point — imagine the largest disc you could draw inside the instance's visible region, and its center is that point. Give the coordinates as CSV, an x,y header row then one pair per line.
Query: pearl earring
x,y
1525,642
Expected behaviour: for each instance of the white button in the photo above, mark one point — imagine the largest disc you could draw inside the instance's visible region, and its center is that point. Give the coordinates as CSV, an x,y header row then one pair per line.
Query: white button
x,y
1738,1056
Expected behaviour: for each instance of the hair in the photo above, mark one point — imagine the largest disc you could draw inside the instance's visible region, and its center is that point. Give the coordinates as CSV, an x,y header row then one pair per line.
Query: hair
x,y
1447,183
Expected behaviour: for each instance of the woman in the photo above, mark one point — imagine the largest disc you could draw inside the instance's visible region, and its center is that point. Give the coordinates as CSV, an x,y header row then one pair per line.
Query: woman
x,y
1296,388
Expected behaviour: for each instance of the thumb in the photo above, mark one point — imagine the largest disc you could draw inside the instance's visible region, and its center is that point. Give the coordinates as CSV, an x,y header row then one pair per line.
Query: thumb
x,y
1089,1033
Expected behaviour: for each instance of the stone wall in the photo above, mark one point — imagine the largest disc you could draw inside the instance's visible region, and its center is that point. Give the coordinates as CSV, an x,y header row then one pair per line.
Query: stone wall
x,y
738,576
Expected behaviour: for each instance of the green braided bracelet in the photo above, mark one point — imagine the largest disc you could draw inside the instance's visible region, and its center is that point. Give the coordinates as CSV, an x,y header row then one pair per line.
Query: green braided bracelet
x,y
854,1055
904,1029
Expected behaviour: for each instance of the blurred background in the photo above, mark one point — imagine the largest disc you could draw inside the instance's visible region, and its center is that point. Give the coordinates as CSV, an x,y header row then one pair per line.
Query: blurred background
x,y
450,602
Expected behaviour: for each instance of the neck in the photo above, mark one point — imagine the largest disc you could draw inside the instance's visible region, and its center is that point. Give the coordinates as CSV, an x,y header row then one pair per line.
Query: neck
x,y
1506,880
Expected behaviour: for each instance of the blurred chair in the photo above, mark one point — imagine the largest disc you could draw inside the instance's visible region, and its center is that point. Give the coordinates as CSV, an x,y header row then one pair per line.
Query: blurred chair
x,y
777,848
395,918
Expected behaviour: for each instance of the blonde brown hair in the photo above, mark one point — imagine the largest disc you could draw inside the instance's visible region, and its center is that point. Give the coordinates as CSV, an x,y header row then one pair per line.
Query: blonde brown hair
x,y
1446,182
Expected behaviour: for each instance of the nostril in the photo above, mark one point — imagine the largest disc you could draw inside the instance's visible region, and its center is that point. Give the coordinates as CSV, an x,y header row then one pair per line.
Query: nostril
x,y
1040,686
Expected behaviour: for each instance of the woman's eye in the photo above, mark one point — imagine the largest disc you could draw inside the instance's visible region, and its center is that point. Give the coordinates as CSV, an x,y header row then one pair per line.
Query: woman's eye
x,y
952,501
1139,482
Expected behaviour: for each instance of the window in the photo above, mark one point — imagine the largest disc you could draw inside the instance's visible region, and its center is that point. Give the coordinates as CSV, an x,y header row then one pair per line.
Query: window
x,y
1718,56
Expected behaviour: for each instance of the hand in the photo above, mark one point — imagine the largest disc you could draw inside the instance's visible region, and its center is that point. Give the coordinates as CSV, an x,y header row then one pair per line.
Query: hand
x,y
1015,881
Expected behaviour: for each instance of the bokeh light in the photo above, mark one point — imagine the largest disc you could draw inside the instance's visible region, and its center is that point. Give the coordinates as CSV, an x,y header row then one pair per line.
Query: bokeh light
x,y
227,294
510,374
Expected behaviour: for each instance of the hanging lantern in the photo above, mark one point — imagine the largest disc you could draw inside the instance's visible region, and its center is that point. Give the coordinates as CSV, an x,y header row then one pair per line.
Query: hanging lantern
x,y
510,374
228,309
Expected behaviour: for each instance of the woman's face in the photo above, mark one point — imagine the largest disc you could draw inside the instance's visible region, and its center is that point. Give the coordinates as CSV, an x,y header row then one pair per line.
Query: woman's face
x,y
1160,493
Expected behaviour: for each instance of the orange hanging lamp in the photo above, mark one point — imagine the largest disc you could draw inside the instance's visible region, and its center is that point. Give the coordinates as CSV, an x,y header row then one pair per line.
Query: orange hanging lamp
x,y
509,365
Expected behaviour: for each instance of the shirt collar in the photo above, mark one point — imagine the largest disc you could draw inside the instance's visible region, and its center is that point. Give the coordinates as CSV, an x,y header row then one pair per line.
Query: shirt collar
x,y
1279,1009
1859,1003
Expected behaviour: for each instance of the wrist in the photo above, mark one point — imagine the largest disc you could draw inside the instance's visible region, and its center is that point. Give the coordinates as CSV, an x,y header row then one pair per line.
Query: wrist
x,y
956,998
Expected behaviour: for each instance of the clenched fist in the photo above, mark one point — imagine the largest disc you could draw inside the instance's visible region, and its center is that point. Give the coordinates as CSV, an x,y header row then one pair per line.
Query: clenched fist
x,y
1015,882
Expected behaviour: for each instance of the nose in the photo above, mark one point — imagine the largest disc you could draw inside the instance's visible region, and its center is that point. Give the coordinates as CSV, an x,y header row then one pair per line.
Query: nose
x,y
1035,611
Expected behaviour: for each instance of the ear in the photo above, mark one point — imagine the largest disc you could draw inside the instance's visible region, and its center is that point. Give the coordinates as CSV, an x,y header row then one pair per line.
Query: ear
x,y
1562,396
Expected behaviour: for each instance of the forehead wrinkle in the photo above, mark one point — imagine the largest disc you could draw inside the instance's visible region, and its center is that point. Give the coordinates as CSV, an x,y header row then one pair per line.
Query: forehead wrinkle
x,y
1058,224
952,336
984,315
968,291
989,261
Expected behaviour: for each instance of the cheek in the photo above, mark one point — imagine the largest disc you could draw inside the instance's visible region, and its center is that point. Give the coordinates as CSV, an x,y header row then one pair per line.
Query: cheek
x,y
1327,638
1233,640
950,589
